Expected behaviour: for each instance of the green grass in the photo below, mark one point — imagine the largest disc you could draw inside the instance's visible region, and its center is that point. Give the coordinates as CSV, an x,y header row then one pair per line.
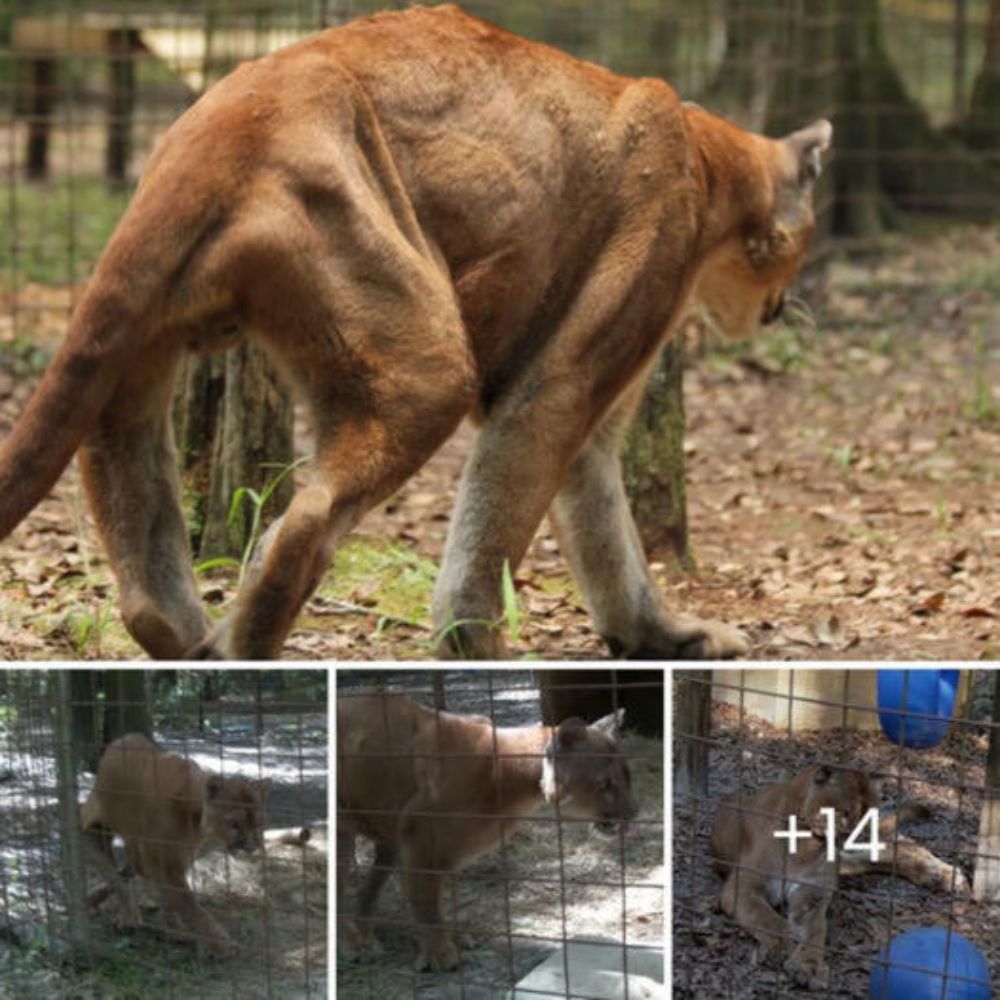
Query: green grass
x,y
53,233
983,407
396,578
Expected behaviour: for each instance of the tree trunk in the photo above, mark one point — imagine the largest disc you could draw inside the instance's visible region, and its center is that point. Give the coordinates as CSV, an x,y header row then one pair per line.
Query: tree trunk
x,y
653,462
86,720
234,422
590,694
126,704
982,127
741,86
71,846
888,156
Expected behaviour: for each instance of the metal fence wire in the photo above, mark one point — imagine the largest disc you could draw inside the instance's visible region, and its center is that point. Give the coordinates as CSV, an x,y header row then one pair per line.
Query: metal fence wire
x,y
193,864
757,752
87,87
449,860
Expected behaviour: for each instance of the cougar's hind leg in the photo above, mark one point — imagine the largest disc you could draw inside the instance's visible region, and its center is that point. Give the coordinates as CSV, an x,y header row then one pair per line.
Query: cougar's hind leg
x,y
597,534
508,483
381,406
130,474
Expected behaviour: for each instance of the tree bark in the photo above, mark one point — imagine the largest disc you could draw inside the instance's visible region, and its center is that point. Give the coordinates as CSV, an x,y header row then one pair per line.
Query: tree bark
x,y
590,694
887,156
982,127
71,847
741,86
85,716
653,463
234,421
126,704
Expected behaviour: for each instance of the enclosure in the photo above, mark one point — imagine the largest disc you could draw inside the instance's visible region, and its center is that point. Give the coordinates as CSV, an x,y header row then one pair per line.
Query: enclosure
x,y
737,732
549,897
841,469
59,931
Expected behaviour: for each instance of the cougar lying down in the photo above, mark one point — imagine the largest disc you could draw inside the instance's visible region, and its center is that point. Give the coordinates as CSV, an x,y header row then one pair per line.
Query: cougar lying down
x,y
164,806
420,217
436,790
762,875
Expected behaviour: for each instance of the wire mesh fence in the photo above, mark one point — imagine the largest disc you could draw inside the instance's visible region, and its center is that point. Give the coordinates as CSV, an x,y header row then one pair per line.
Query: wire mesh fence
x,y
194,865
87,87
466,862
759,755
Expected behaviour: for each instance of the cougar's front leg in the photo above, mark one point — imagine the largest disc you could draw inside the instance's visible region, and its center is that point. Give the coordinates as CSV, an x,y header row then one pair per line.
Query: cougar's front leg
x,y
130,474
598,536
807,908
167,866
424,871
743,898
97,846
508,483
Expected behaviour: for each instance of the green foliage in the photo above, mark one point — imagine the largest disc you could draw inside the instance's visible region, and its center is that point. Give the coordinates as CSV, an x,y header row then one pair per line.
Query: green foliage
x,y
511,608
87,630
983,408
257,501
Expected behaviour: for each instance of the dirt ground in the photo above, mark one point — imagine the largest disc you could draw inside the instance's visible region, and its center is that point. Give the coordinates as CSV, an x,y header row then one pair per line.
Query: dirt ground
x,y
515,906
842,476
713,957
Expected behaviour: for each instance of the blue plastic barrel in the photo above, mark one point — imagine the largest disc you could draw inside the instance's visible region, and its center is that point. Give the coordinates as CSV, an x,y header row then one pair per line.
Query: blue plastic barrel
x,y
928,694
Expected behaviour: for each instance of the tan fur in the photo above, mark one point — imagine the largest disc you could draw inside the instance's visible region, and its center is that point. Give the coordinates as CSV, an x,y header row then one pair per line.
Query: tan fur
x,y
435,790
419,216
760,873
164,806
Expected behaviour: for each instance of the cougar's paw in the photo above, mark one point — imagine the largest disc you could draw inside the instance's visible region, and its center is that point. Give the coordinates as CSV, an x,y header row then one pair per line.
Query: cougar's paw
x,y
358,944
470,640
771,953
808,970
953,880
152,630
438,955
214,646
709,640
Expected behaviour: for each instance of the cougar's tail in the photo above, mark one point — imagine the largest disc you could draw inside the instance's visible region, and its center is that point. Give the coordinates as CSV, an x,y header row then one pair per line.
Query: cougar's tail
x,y
110,330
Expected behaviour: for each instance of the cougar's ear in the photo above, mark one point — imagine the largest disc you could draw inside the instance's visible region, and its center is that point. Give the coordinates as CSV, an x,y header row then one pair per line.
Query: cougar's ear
x,y
213,786
821,775
611,724
261,787
807,147
568,733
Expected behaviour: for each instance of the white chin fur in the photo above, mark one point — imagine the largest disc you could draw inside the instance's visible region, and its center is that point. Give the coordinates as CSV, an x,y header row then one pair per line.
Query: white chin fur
x,y
548,780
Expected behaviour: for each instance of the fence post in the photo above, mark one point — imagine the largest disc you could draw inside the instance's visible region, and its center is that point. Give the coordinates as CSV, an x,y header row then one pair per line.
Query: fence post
x,y
986,881
74,874
693,725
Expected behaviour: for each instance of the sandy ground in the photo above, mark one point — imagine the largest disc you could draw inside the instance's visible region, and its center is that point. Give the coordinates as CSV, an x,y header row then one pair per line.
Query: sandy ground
x,y
515,906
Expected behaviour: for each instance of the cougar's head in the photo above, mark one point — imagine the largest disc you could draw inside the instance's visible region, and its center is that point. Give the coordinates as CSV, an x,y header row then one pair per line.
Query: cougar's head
x,y
850,794
587,775
743,281
234,813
